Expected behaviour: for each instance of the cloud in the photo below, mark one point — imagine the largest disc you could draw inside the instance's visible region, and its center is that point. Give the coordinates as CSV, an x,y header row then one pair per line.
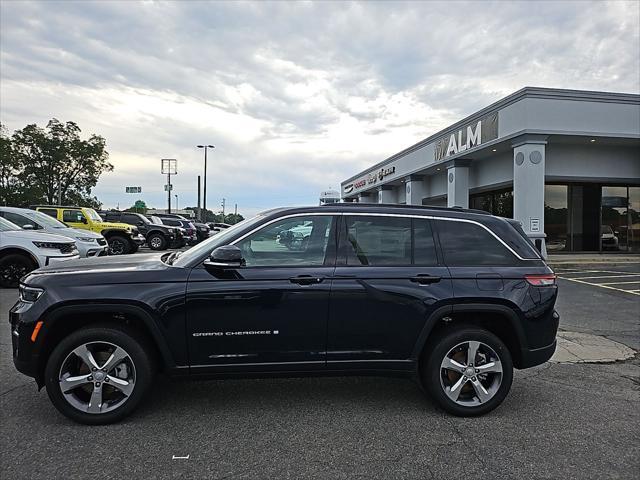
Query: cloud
x,y
295,96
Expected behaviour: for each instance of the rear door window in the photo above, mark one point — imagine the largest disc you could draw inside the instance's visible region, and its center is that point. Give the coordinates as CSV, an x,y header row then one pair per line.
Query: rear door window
x,y
466,244
378,240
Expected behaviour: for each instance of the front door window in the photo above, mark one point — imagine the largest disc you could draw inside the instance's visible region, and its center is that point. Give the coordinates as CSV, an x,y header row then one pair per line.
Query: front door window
x,y
298,241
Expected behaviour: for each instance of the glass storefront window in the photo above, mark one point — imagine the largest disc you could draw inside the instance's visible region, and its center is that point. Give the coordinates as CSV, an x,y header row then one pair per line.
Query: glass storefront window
x,y
498,202
556,217
614,231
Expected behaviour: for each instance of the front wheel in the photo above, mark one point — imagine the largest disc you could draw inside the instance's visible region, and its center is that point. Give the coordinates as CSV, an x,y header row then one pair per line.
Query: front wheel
x,y
156,241
467,371
98,375
13,267
119,245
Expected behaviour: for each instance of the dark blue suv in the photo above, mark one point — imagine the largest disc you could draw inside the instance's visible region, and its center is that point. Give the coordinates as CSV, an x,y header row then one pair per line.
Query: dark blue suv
x,y
452,298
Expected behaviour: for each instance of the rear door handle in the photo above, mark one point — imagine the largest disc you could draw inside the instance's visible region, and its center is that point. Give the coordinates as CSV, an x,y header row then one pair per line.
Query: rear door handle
x,y
306,280
425,279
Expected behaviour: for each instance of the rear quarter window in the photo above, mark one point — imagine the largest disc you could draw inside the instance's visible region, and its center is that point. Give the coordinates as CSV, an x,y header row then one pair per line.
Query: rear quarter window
x,y
466,244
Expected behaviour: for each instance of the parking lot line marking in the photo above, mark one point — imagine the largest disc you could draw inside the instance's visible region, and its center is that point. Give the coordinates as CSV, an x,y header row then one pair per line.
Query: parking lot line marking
x,y
608,276
620,283
632,292
181,458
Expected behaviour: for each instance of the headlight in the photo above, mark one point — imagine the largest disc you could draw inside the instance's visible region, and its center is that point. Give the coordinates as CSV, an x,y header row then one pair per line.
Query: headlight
x,y
85,239
30,294
54,246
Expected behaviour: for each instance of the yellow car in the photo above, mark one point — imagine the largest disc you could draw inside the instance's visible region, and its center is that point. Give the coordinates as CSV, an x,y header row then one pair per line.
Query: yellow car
x,y
121,237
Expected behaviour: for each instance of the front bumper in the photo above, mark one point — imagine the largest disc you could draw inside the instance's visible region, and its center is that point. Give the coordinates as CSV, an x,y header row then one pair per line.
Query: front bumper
x,y
56,259
138,239
22,318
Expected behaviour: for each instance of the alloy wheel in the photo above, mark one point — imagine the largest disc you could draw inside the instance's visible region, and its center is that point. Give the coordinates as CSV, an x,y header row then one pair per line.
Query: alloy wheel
x,y
116,247
97,377
12,273
471,373
156,242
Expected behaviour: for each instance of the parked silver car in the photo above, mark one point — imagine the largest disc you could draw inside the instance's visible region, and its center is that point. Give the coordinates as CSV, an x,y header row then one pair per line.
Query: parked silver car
x,y
89,244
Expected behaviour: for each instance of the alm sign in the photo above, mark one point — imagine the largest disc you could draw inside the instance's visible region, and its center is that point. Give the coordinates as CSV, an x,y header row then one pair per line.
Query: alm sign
x,y
467,137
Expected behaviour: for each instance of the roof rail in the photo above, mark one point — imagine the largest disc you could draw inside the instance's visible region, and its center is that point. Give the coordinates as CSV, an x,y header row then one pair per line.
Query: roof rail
x,y
417,207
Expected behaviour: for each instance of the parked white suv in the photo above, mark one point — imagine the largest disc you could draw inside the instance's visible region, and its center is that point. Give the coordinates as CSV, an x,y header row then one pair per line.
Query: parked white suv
x,y
89,244
22,251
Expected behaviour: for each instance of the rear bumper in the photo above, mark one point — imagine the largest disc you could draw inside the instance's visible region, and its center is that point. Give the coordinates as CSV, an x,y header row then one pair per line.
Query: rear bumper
x,y
530,357
537,356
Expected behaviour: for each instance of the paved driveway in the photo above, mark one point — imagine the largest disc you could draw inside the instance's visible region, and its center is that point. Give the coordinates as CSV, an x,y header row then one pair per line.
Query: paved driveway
x,y
559,421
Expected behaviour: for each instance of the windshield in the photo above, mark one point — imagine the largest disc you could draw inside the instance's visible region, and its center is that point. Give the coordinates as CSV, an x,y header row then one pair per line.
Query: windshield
x,y
7,226
92,214
213,242
44,219
155,220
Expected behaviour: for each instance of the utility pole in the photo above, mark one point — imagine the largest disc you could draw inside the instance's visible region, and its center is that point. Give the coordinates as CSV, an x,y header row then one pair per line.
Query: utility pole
x,y
199,211
223,204
169,166
176,195
204,199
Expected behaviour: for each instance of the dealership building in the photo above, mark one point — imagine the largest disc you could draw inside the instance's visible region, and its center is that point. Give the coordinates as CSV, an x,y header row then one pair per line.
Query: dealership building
x,y
565,163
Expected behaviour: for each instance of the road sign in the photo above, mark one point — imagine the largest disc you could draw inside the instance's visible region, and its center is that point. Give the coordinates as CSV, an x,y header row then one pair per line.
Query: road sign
x,y
168,187
169,166
133,189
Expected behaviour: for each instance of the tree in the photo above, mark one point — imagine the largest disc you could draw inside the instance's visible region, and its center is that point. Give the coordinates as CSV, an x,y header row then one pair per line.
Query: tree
x,y
10,167
52,161
139,207
230,218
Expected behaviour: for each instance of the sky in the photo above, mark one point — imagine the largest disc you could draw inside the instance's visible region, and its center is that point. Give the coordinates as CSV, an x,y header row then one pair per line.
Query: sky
x,y
295,96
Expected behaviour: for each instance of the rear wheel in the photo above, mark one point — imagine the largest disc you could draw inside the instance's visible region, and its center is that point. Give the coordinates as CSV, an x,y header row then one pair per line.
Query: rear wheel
x,y
467,371
98,375
157,241
13,267
119,245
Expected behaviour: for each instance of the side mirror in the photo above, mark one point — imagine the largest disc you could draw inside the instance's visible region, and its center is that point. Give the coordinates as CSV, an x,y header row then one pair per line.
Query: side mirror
x,y
140,223
28,226
84,220
227,256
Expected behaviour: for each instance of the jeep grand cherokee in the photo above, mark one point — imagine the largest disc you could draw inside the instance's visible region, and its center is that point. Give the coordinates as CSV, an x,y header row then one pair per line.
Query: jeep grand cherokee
x,y
452,298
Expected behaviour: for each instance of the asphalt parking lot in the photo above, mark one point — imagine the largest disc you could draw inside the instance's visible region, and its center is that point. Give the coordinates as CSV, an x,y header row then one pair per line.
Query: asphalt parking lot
x,y
559,421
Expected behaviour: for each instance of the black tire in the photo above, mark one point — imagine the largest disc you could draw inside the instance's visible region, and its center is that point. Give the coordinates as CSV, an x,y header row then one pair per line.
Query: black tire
x,y
434,378
13,267
140,358
119,245
157,241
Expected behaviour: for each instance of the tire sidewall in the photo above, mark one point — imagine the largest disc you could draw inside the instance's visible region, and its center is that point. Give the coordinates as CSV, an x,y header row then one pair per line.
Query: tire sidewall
x,y
441,346
120,337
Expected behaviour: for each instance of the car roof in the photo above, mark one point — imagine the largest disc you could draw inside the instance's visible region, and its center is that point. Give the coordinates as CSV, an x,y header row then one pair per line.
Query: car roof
x,y
379,208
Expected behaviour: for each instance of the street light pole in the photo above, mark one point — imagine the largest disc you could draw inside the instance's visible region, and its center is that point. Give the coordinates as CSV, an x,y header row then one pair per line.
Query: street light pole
x,y
204,199
176,195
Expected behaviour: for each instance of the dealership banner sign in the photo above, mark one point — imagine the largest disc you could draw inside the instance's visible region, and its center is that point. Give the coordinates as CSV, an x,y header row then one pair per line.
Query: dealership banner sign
x,y
467,137
370,179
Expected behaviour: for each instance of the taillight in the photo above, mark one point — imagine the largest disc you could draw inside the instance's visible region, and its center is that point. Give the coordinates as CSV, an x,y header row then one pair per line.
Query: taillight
x,y
541,280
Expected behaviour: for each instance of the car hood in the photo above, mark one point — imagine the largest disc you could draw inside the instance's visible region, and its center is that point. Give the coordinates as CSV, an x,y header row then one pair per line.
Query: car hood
x,y
77,232
115,263
120,226
34,236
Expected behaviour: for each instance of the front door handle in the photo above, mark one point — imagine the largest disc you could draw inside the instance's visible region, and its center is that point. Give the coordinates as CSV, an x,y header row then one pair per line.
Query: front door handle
x,y
425,279
306,280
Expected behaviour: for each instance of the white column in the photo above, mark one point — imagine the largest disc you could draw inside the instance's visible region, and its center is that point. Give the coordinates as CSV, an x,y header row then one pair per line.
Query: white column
x,y
415,189
386,195
458,186
528,188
